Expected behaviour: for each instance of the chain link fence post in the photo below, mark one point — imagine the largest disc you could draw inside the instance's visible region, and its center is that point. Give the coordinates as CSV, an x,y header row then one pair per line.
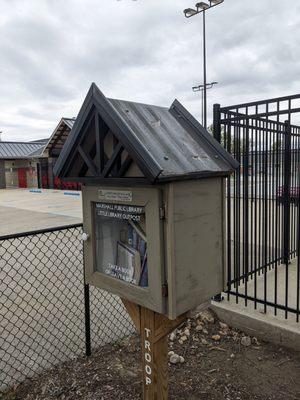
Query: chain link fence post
x,y
87,318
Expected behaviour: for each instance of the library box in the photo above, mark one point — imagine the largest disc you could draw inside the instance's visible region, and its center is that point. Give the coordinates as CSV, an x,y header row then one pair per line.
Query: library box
x,y
153,201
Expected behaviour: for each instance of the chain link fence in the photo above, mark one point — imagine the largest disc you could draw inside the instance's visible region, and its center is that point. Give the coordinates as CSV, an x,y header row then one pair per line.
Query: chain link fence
x,y
47,313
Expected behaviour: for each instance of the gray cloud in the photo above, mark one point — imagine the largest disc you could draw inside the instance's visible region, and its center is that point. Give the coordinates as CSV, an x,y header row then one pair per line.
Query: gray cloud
x,y
146,51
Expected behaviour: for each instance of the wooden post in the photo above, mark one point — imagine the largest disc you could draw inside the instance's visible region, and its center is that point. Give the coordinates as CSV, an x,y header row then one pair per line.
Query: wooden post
x,y
154,359
154,329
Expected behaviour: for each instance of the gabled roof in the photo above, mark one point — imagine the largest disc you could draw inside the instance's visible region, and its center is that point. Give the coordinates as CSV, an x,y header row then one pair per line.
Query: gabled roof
x,y
59,136
38,152
166,144
40,141
13,150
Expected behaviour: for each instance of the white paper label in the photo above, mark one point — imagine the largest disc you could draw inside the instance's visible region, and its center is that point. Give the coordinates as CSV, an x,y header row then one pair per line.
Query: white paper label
x,y
115,195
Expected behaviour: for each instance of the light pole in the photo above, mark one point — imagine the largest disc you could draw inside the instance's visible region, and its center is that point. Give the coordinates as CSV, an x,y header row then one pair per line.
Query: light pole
x,y
200,88
202,7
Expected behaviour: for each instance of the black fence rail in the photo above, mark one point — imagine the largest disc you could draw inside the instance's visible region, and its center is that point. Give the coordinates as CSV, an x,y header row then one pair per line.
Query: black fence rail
x,y
47,313
263,202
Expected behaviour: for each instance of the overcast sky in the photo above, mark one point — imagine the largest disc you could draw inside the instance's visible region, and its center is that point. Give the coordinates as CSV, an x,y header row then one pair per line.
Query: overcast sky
x,y
140,50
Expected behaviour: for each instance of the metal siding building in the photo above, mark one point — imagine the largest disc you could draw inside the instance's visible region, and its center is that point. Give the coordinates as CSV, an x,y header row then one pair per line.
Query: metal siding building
x,y
19,163
30,164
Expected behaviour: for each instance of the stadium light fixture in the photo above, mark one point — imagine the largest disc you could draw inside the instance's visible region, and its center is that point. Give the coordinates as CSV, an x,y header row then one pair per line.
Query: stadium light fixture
x,y
189,12
202,7
216,2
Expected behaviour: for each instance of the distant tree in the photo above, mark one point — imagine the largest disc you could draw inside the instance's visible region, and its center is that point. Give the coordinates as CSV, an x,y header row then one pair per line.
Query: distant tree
x,y
237,145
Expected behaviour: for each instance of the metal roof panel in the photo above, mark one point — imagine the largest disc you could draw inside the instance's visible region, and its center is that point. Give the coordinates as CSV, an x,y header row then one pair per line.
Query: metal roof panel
x,y
69,122
166,143
10,150
177,148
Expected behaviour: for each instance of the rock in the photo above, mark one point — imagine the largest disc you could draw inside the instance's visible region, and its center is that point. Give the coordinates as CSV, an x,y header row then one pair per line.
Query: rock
x,y
216,337
174,359
181,359
186,332
199,322
173,336
171,353
207,316
204,341
180,341
205,331
184,338
223,326
246,341
197,315
199,328
235,336
232,355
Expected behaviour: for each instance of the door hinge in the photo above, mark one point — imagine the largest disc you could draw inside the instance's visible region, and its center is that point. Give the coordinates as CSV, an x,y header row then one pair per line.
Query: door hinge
x,y
165,290
162,212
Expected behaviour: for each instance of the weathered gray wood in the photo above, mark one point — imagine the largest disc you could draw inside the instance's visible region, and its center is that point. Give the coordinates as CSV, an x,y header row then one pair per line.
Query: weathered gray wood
x,y
88,161
154,359
150,297
125,166
110,163
154,329
188,255
194,249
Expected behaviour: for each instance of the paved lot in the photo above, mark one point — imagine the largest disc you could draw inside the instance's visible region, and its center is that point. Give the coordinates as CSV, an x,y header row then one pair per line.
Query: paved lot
x,y
265,285
41,287
22,210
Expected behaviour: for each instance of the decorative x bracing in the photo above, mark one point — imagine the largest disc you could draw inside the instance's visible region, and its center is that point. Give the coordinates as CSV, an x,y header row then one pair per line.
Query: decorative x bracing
x,y
101,152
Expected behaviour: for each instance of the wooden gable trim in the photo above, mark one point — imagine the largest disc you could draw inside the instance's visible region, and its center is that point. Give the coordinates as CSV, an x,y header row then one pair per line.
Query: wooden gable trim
x,y
101,130
124,134
96,161
125,166
87,159
97,106
110,163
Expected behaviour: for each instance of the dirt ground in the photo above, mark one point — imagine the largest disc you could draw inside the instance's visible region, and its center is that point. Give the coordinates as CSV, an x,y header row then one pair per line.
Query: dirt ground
x,y
219,363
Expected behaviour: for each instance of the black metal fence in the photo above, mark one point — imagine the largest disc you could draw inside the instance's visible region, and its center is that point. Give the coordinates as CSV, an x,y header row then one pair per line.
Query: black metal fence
x,y
262,202
47,313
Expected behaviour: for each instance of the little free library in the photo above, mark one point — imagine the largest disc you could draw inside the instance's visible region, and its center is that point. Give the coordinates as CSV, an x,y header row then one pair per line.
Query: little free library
x,y
153,214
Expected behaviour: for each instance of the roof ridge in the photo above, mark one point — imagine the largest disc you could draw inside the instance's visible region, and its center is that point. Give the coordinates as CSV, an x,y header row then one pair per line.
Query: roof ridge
x,y
137,102
171,146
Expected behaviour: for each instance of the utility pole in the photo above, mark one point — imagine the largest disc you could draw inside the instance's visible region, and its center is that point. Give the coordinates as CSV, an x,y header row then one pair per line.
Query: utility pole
x,y
202,88
202,7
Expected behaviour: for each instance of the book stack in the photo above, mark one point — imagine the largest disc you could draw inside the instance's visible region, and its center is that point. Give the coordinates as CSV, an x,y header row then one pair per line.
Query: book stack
x,y
133,255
